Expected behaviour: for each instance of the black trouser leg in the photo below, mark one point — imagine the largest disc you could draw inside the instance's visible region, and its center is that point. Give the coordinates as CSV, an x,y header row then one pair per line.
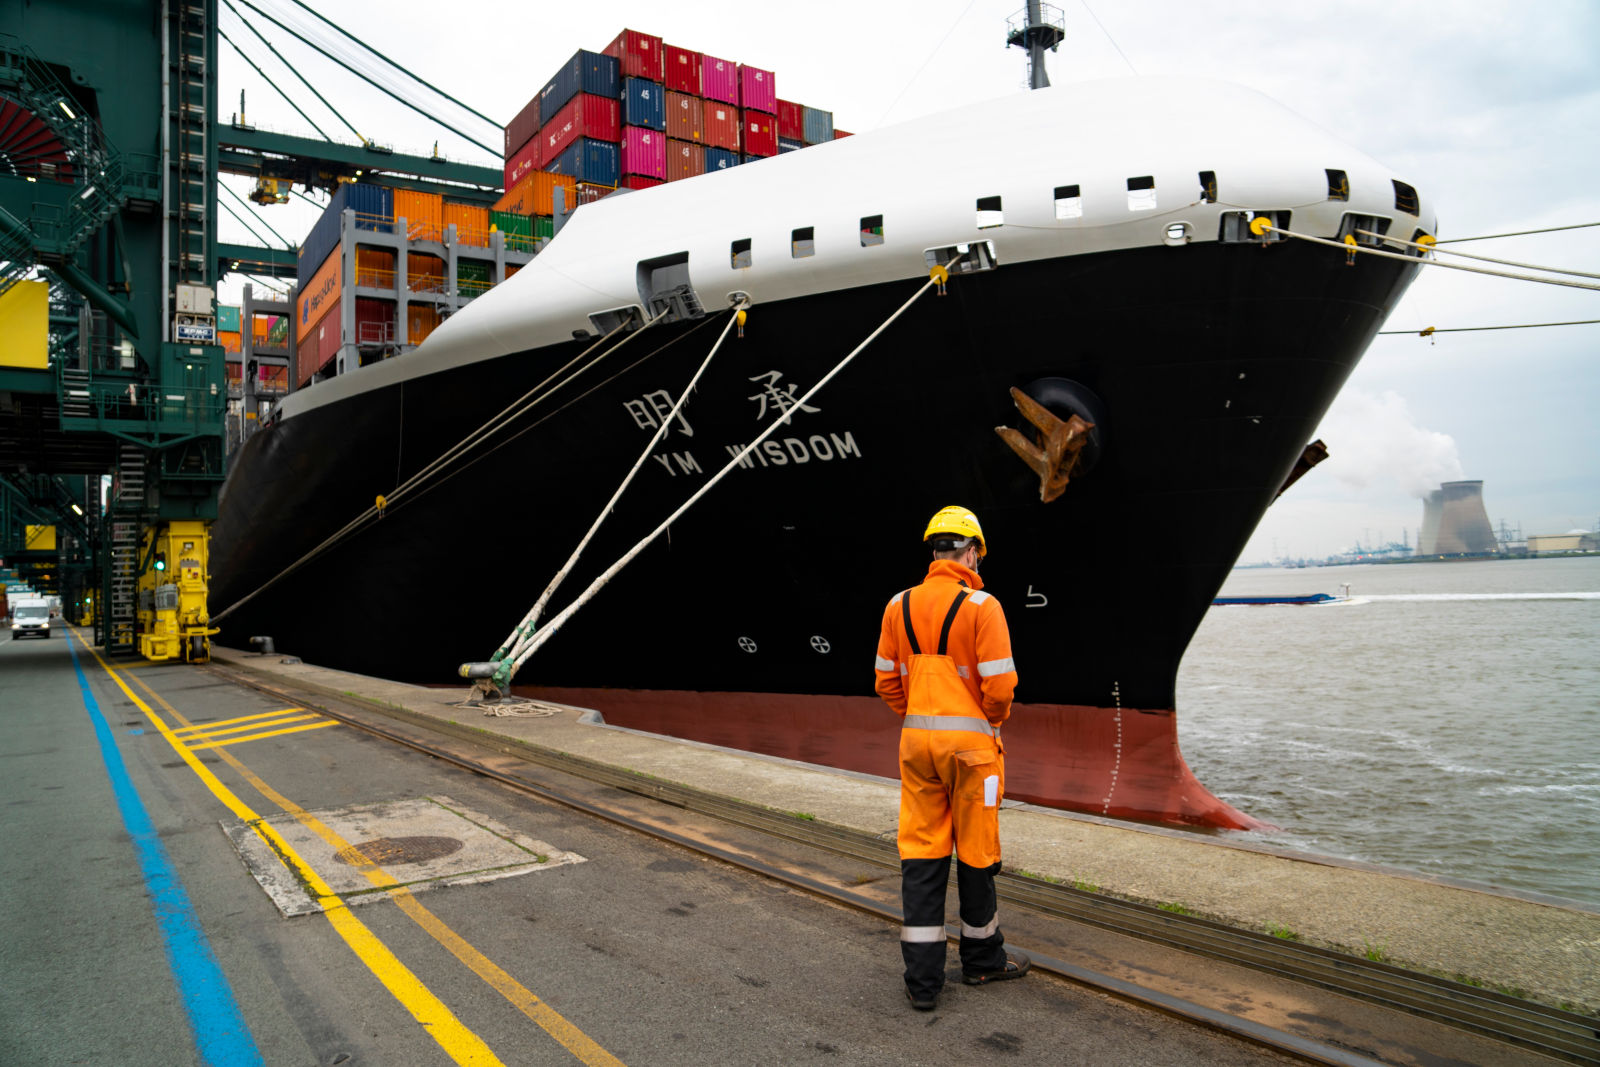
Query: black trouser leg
x,y
982,944
922,934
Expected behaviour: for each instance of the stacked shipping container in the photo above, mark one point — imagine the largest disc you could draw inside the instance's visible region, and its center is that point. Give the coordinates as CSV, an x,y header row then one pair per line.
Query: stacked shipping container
x,y
679,113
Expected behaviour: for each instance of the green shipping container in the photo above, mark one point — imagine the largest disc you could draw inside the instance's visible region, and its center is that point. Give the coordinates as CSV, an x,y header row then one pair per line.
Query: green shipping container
x,y
544,227
471,270
517,228
227,318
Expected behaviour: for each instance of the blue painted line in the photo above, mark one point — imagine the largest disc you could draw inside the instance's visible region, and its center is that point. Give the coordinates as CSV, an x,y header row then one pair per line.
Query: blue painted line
x,y
219,1029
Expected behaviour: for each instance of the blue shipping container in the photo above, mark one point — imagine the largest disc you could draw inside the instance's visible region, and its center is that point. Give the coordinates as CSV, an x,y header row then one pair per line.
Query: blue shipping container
x,y
720,159
585,72
818,126
589,160
371,203
786,145
644,103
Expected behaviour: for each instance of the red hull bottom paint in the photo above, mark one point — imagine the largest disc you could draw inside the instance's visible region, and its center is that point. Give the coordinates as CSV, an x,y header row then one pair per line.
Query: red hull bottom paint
x,y
1119,762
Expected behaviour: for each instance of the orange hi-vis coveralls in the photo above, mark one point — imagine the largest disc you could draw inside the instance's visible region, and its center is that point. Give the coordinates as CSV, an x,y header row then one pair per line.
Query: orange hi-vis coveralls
x,y
944,663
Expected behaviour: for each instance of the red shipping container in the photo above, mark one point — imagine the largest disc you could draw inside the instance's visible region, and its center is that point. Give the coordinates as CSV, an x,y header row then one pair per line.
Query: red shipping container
x,y
589,192
722,125
760,134
686,117
719,79
791,120
523,128
374,321
586,115
638,54
644,152
758,89
685,159
680,69
528,159
841,133
639,181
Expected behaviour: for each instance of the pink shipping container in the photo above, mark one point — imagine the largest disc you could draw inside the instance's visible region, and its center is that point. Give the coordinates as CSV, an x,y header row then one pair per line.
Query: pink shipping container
x,y
760,133
722,125
586,115
719,79
686,117
680,69
523,128
639,181
685,159
528,159
758,89
644,152
791,120
638,54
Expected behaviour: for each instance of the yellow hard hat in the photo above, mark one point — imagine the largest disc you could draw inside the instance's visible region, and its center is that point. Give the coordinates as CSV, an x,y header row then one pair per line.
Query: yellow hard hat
x,y
956,521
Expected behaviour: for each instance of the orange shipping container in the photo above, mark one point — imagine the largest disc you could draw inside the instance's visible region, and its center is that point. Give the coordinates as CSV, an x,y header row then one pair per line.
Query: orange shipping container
x,y
421,319
375,267
423,212
424,273
534,195
471,223
231,340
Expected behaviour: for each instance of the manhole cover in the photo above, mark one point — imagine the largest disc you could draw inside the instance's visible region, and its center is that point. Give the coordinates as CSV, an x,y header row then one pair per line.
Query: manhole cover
x,y
391,851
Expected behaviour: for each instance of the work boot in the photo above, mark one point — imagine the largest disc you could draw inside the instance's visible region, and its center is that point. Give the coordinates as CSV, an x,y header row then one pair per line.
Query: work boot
x,y
924,1002
1016,966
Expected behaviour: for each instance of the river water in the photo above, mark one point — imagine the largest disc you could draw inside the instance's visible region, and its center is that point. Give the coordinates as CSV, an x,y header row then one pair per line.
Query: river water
x,y
1445,720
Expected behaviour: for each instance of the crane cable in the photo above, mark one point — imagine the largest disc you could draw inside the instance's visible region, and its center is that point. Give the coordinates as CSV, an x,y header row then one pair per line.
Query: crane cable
x,y
224,35
1261,226
524,629
1428,246
503,671
292,70
498,422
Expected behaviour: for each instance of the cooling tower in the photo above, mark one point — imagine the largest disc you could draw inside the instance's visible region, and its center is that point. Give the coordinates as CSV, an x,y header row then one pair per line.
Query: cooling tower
x,y
1463,523
1428,538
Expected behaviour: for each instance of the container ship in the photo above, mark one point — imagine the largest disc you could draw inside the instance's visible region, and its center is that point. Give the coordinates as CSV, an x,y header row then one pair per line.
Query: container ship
x,y
1118,251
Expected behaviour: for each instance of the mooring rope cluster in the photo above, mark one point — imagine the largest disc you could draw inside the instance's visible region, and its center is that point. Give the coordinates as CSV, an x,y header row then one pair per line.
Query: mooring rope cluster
x,y
528,638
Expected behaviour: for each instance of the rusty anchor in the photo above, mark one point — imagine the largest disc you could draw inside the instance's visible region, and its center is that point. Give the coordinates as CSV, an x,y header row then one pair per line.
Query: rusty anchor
x,y
1054,455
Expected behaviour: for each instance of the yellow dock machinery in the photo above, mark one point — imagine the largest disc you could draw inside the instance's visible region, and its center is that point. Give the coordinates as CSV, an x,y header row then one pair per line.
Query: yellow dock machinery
x,y
173,621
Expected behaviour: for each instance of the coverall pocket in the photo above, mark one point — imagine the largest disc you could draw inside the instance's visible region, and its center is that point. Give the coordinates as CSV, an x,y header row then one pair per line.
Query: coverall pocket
x,y
980,784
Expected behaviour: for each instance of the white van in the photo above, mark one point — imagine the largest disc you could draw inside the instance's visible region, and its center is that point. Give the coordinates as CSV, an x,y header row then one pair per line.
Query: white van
x,y
30,617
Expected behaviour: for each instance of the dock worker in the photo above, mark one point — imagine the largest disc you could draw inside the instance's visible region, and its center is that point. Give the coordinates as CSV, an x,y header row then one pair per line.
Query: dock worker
x,y
944,664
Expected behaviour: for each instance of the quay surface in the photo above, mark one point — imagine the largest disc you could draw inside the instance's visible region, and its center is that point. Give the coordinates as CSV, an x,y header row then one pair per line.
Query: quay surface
x,y
1541,948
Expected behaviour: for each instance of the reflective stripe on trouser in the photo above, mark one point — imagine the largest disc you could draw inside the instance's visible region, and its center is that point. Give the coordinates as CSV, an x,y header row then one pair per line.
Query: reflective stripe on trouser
x,y
922,885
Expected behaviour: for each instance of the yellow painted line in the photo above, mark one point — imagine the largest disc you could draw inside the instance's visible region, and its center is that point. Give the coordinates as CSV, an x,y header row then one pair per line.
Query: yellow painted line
x,y
232,722
552,1022
269,733
208,731
459,1043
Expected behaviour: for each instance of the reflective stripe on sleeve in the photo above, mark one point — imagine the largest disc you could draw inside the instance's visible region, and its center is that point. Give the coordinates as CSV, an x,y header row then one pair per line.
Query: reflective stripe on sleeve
x,y
979,932
979,597
996,666
921,934
885,664
948,722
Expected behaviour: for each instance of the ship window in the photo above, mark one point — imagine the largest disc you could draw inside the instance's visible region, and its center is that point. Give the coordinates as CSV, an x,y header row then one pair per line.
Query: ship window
x,y
1208,186
1338,185
1069,205
871,230
1405,199
802,243
739,252
989,212
1142,193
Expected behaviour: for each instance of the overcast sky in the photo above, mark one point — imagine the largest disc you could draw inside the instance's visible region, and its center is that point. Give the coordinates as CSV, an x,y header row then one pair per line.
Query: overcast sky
x,y
1492,109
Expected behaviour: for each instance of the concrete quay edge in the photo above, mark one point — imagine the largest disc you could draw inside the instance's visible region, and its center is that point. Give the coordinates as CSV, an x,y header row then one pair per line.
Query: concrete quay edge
x,y
1529,945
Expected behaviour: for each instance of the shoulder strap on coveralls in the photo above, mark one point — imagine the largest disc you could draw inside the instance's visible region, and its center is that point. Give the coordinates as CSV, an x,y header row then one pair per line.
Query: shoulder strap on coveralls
x,y
944,633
